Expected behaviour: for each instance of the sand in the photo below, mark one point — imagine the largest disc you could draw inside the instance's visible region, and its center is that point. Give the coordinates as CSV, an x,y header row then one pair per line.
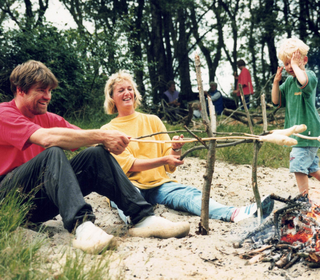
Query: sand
x,y
195,256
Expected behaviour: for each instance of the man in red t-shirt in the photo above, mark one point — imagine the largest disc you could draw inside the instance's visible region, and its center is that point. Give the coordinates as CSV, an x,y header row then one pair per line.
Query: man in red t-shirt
x,y
32,141
245,80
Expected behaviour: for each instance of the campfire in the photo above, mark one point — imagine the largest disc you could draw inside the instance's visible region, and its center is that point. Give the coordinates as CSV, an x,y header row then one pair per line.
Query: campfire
x,y
290,235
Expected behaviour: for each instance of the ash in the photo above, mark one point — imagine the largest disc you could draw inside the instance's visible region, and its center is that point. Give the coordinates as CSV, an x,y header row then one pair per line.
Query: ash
x,y
290,235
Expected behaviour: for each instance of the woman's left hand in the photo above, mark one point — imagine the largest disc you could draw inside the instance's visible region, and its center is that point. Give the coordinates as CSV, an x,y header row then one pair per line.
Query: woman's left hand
x,y
178,145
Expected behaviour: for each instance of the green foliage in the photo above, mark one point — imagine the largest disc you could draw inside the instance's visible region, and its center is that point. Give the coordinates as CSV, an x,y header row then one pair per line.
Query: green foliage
x,y
82,267
80,87
24,254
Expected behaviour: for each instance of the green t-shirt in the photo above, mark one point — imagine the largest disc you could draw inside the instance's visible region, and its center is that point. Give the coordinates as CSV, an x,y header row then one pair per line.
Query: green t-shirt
x,y
299,101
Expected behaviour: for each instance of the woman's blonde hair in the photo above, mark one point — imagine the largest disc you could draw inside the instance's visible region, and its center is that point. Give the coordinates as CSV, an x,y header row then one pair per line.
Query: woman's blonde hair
x,y
289,46
122,75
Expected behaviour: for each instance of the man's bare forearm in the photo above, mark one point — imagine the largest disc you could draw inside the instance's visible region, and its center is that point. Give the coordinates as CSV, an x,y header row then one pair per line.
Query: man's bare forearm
x,y
66,138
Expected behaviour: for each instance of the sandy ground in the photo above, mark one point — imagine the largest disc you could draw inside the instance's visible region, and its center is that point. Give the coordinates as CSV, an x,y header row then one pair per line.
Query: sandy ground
x,y
195,256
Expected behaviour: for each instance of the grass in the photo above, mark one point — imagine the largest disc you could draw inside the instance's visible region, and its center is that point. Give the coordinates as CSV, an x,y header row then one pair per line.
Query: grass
x,y
19,259
26,256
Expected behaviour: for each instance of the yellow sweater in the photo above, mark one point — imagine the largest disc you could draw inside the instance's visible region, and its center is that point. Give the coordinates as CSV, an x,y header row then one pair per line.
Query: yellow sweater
x,y
136,125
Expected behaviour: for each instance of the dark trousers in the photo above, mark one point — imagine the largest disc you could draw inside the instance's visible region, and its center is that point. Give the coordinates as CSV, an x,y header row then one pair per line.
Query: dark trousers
x,y
62,184
247,99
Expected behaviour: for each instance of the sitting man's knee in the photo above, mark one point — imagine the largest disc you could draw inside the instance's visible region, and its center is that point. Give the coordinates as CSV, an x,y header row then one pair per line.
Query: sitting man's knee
x,y
54,150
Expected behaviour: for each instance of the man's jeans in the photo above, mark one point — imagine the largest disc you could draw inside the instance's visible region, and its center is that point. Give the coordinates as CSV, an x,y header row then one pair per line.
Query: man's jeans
x,y
183,198
62,184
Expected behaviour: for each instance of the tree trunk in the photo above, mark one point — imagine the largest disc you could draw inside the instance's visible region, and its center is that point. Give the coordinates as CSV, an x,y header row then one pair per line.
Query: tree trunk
x,y
158,51
183,59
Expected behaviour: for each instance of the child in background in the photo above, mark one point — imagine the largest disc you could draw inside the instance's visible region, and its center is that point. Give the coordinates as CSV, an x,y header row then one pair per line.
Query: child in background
x,y
297,95
245,80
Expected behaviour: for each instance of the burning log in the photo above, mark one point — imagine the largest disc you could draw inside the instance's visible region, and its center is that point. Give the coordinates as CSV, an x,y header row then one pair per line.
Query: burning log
x,y
291,235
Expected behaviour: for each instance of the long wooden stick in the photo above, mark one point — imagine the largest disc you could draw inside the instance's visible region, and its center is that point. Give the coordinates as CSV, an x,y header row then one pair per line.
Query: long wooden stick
x,y
198,138
204,222
306,137
257,147
190,140
246,108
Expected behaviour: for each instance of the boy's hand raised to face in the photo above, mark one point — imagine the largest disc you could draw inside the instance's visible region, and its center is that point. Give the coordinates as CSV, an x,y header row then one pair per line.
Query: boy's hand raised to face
x,y
296,59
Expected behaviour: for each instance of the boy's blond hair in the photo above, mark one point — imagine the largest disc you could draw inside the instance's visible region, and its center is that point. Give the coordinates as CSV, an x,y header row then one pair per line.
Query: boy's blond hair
x,y
122,75
289,46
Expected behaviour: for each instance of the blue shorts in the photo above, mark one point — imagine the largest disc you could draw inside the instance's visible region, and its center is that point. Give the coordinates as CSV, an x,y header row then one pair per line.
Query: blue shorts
x,y
304,160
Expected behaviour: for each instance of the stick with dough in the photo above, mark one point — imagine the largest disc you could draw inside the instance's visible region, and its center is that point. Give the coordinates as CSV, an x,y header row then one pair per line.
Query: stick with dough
x,y
278,139
289,131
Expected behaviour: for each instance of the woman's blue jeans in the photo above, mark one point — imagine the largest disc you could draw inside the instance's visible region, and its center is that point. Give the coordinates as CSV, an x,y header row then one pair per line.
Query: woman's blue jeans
x,y
183,198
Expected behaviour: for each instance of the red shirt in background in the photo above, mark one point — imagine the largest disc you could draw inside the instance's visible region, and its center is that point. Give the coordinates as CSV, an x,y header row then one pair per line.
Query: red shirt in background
x,y
245,80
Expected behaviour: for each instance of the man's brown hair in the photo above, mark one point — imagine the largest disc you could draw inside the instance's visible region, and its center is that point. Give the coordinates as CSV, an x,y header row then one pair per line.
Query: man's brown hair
x,y
31,73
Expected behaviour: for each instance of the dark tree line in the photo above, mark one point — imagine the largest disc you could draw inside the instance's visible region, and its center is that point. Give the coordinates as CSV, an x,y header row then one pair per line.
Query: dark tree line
x,y
156,40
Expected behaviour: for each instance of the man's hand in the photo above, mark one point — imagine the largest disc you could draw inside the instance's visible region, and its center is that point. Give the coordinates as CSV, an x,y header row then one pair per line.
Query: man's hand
x,y
278,76
235,75
175,103
115,141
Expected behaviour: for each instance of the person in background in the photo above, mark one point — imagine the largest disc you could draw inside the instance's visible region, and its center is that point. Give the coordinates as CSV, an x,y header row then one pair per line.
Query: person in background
x,y
216,97
171,96
245,80
147,164
297,95
32,144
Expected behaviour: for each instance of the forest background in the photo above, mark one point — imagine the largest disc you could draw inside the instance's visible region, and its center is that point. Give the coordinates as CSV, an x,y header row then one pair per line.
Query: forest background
x,y
156,40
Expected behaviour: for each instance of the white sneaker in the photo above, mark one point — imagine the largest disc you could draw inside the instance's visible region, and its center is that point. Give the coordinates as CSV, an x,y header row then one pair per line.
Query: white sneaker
x,y
267,204
153,226
244,212
92,239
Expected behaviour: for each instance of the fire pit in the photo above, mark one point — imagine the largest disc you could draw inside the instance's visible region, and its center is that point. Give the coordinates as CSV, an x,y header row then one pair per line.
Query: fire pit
x,y
290,235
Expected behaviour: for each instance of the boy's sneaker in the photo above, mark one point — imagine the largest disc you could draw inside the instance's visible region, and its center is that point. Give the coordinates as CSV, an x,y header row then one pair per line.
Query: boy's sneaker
x,y
153,226
92,239
245,212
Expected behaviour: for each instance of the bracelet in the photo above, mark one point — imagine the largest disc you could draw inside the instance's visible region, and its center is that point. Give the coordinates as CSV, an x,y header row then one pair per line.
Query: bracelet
x,y
176,150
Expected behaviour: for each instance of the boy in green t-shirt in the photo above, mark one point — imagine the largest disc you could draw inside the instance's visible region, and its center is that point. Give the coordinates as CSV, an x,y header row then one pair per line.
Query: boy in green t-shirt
x,y
297,95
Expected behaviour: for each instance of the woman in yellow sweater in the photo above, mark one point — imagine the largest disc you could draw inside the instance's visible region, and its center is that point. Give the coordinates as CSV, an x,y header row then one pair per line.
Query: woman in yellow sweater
x,y
147,164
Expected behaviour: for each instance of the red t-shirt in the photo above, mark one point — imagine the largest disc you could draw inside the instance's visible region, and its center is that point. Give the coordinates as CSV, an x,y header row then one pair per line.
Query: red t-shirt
x,y
245,80
15,131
